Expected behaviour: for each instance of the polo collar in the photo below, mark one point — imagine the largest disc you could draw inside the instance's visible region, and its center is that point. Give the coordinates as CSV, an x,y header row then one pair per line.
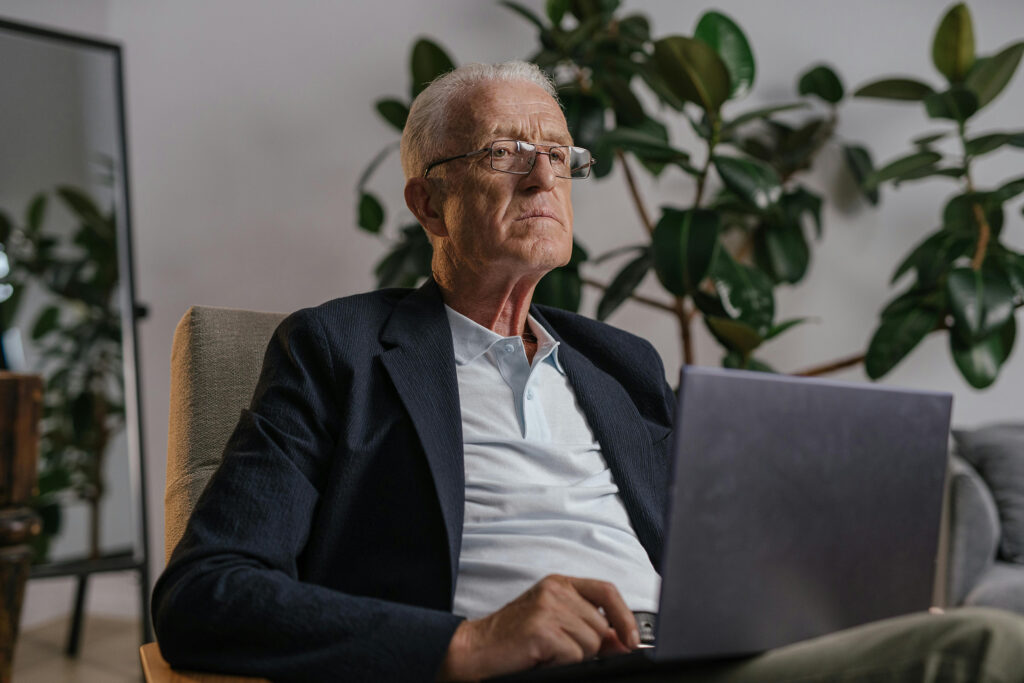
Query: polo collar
x,y
470,339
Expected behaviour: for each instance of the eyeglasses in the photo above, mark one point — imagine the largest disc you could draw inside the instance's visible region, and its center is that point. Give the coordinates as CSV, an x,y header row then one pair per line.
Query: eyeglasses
x,y
518,157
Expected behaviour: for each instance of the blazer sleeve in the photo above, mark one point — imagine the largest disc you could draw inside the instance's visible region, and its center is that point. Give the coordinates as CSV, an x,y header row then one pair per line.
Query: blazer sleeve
x,y
230,598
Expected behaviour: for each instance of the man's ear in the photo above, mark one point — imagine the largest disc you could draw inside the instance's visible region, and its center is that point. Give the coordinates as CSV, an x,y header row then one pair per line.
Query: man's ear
x,y
422,198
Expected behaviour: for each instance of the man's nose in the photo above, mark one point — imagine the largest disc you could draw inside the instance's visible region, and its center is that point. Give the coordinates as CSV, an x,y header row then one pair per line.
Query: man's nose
x,y
542,175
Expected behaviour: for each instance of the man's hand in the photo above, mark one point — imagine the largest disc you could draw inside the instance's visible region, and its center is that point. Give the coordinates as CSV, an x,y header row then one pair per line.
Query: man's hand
x,y
557,621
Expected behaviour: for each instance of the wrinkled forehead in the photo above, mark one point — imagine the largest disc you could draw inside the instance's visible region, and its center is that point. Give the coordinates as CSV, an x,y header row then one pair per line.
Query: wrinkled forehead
x,y
517,110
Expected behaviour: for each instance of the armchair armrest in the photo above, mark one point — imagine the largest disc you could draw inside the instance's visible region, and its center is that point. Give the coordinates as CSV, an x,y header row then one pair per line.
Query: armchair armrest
x,y
157,670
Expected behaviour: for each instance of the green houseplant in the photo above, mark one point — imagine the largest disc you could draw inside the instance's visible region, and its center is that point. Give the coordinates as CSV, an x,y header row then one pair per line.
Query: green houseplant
x,y
961,278
747,229
78,338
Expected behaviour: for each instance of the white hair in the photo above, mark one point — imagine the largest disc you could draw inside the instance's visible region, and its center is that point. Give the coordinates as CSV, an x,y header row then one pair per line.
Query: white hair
x,y
426,128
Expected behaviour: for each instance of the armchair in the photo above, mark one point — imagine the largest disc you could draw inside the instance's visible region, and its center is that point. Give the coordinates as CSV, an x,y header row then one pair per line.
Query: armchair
x,y
215,362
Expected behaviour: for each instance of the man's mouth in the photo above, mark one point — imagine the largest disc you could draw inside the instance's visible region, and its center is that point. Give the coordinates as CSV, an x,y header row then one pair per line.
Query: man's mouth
x,y
538,213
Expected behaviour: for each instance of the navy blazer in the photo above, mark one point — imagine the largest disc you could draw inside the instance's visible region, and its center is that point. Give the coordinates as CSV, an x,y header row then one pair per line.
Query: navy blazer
x,y
326,545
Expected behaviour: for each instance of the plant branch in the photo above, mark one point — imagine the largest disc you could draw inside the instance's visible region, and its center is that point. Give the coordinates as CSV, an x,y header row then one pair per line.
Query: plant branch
x,y
639,298
631,181
984,229
685,332
833,366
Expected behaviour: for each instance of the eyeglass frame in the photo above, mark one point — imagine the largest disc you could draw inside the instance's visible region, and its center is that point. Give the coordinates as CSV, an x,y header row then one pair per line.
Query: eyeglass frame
x,y
536,152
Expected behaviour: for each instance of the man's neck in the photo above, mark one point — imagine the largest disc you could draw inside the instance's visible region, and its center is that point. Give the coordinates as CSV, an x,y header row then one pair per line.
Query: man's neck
x,y
500,306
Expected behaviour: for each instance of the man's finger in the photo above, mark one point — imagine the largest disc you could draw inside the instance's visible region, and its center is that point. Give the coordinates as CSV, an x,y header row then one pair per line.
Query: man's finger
x,y
607,597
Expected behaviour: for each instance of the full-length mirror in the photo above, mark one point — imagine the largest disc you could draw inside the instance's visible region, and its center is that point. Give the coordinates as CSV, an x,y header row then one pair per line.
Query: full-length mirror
x,y
66,301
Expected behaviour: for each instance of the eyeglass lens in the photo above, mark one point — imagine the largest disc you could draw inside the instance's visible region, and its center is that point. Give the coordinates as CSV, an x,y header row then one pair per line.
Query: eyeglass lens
x,y
517,156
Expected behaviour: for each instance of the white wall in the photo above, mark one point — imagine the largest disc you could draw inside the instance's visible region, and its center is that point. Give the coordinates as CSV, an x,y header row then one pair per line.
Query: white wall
x,y
250,122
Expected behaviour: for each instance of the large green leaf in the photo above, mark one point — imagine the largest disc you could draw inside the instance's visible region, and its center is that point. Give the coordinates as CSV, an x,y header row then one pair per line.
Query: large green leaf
x,y
858,160
727,39
903,166
693,71
822,82
928,139
784,326
981,301
645,144
934,256
1009,190
907,89
635,30
428,61
781,250
592,9
46,322
625,282
83,206
753,181
528,14
738,361
989,76
979,362
408,261
556,9
6,228
959,215
983,144
683,245
896,336
1013,264
956,104
802,201
35,214
393,111
584,115
731,126
628,110
953,45
371,213
745,292
734,334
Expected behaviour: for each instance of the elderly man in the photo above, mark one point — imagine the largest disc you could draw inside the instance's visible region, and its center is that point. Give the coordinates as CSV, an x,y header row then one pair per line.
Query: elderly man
x,y
449,483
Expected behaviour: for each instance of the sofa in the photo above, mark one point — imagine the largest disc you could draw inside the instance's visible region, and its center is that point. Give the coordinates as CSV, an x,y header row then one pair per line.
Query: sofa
x,y
985,560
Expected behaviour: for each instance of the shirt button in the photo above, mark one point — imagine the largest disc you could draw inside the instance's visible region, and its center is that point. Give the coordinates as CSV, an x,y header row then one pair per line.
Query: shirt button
x,y
529,394
509,348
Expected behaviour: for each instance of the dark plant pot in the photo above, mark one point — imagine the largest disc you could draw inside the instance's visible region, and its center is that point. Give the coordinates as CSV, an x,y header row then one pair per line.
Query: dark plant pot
x,y
21,398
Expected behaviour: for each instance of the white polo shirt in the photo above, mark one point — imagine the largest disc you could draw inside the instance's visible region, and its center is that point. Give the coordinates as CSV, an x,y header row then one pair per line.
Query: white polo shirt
x,y
540,498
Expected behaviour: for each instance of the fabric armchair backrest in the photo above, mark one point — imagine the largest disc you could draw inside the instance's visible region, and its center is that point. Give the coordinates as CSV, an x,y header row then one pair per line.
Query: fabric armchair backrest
x,y
215,362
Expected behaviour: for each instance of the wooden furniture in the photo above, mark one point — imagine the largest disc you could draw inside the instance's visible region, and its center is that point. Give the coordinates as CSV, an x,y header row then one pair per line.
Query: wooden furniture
x,y
157,670
21,399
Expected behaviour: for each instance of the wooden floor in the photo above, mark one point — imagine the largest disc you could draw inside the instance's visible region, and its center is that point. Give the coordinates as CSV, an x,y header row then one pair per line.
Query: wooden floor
x,y
109,653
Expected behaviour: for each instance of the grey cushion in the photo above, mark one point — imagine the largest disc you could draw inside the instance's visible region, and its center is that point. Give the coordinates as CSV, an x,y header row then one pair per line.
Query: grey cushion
x,y
973,532
1001,586
997,453
215,362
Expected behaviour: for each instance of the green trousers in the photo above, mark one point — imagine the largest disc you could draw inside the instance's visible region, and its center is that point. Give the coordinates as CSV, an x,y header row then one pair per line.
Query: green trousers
x,y
966,644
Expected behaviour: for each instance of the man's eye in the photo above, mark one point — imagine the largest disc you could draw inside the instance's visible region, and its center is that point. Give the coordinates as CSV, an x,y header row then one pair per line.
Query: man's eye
x,y
558,156
499,152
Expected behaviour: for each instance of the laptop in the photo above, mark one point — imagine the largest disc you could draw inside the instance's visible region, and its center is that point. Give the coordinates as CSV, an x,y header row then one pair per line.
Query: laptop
x,y
798,507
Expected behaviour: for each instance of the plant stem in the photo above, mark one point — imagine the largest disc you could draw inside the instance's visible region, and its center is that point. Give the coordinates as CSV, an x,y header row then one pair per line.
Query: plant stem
x,y
631,181
639,298
716,128
832,366
984,230
678,306
684,331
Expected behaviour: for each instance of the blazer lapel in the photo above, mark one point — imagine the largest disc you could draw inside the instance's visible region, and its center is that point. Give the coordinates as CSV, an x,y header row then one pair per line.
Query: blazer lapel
x,y
421,364
625,442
